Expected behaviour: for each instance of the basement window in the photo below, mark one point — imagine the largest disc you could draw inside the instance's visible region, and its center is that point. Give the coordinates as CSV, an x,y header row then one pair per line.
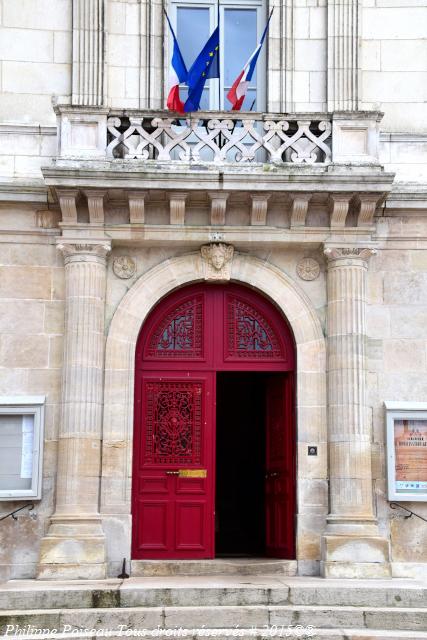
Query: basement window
x,y
21,447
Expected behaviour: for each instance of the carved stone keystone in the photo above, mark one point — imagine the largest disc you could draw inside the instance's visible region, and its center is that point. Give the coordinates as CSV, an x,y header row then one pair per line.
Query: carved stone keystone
x,y
217,258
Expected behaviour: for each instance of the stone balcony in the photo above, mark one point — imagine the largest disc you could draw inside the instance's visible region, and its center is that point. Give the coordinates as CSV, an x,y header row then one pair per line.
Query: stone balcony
x,y
138,172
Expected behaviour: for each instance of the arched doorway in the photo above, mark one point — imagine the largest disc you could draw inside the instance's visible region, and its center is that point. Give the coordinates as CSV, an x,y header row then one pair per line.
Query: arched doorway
x,y
214,427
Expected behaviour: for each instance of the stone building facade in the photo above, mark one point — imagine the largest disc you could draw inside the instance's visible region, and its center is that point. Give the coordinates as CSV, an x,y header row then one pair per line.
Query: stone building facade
x,y
106,205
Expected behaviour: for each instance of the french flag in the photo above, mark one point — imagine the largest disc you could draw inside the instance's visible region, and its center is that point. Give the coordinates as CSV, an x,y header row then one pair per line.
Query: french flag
x,y
178,73
237,93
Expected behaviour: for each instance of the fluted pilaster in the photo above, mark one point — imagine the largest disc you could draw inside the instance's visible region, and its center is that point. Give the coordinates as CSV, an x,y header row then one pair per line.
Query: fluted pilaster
x,y
75,542
152,25
343,55
281,56
88,52
352,539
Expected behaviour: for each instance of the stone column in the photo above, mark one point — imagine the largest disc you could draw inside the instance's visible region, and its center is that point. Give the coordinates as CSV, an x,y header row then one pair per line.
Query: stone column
x,y
343,55
352,546
88,53
74,546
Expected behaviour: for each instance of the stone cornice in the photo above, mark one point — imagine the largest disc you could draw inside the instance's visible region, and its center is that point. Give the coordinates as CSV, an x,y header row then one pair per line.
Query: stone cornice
x,y
150,175
30,191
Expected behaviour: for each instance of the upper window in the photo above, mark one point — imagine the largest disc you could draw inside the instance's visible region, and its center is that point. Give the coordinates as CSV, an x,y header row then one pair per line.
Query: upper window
x,y
241,27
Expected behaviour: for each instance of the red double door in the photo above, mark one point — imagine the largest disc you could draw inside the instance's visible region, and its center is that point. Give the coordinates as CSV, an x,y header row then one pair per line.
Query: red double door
x,y
189,338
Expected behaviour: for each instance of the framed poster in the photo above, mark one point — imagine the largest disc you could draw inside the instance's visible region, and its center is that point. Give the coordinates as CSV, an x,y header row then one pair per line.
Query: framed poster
x,y
21,447
407,451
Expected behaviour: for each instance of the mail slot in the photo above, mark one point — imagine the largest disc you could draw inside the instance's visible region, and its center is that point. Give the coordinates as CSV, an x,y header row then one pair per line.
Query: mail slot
x,y
193,473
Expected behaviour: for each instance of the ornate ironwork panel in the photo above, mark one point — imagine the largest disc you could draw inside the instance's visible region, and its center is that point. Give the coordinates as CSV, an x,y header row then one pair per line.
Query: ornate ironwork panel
x,y
230,137
180,333
173,422
249,332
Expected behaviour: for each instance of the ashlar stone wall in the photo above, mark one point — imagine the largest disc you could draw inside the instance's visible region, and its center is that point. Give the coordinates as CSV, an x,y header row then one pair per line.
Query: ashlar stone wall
x,y
31,343
397,365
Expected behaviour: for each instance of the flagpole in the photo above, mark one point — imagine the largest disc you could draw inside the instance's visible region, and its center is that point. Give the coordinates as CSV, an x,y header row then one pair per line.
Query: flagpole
x,y
219,60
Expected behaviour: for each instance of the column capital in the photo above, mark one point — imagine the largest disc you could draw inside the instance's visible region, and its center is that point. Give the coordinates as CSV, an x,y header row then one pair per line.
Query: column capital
x,y
84,250
350,255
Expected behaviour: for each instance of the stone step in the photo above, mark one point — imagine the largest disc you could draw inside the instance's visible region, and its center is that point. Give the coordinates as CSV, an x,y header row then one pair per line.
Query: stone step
x,y
217,566
194,618
230,634
179,591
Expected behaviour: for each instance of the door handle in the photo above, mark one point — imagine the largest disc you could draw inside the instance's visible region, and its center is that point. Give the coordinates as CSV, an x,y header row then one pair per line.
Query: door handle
x,y
272,474
172,473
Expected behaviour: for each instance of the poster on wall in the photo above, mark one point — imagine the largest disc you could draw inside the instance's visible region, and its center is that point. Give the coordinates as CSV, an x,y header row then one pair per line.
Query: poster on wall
x,y
407,451
21,447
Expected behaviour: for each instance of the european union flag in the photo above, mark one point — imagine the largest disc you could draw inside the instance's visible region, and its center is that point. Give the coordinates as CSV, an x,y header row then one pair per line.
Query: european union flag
x,y
205,66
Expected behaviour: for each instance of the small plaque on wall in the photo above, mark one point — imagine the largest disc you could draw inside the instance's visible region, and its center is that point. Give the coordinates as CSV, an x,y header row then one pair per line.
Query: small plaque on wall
x,y
21,447
407,451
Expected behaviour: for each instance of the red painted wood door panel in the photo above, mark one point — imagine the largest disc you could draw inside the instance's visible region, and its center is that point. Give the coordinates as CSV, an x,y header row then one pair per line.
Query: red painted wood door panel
x,y
189,336
280,467
173,514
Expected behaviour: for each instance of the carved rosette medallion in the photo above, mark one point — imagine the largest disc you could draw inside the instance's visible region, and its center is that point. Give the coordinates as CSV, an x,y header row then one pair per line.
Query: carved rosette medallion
x,y
308,269
124,267
217,259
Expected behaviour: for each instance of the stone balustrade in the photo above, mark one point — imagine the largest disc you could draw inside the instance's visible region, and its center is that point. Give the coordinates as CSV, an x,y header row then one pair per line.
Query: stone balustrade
x,y
222,137
219,138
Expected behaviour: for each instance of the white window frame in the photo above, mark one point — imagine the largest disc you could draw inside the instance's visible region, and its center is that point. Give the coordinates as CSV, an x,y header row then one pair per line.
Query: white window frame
x,y
27,406
401,411
215,91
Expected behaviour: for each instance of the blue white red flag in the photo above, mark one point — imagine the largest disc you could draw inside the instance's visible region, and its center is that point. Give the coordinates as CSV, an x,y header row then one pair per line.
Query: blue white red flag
x,y
237,93
178,73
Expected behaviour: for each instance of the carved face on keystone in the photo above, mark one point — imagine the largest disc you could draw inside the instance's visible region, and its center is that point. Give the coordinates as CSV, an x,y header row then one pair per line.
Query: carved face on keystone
x,y
218,256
